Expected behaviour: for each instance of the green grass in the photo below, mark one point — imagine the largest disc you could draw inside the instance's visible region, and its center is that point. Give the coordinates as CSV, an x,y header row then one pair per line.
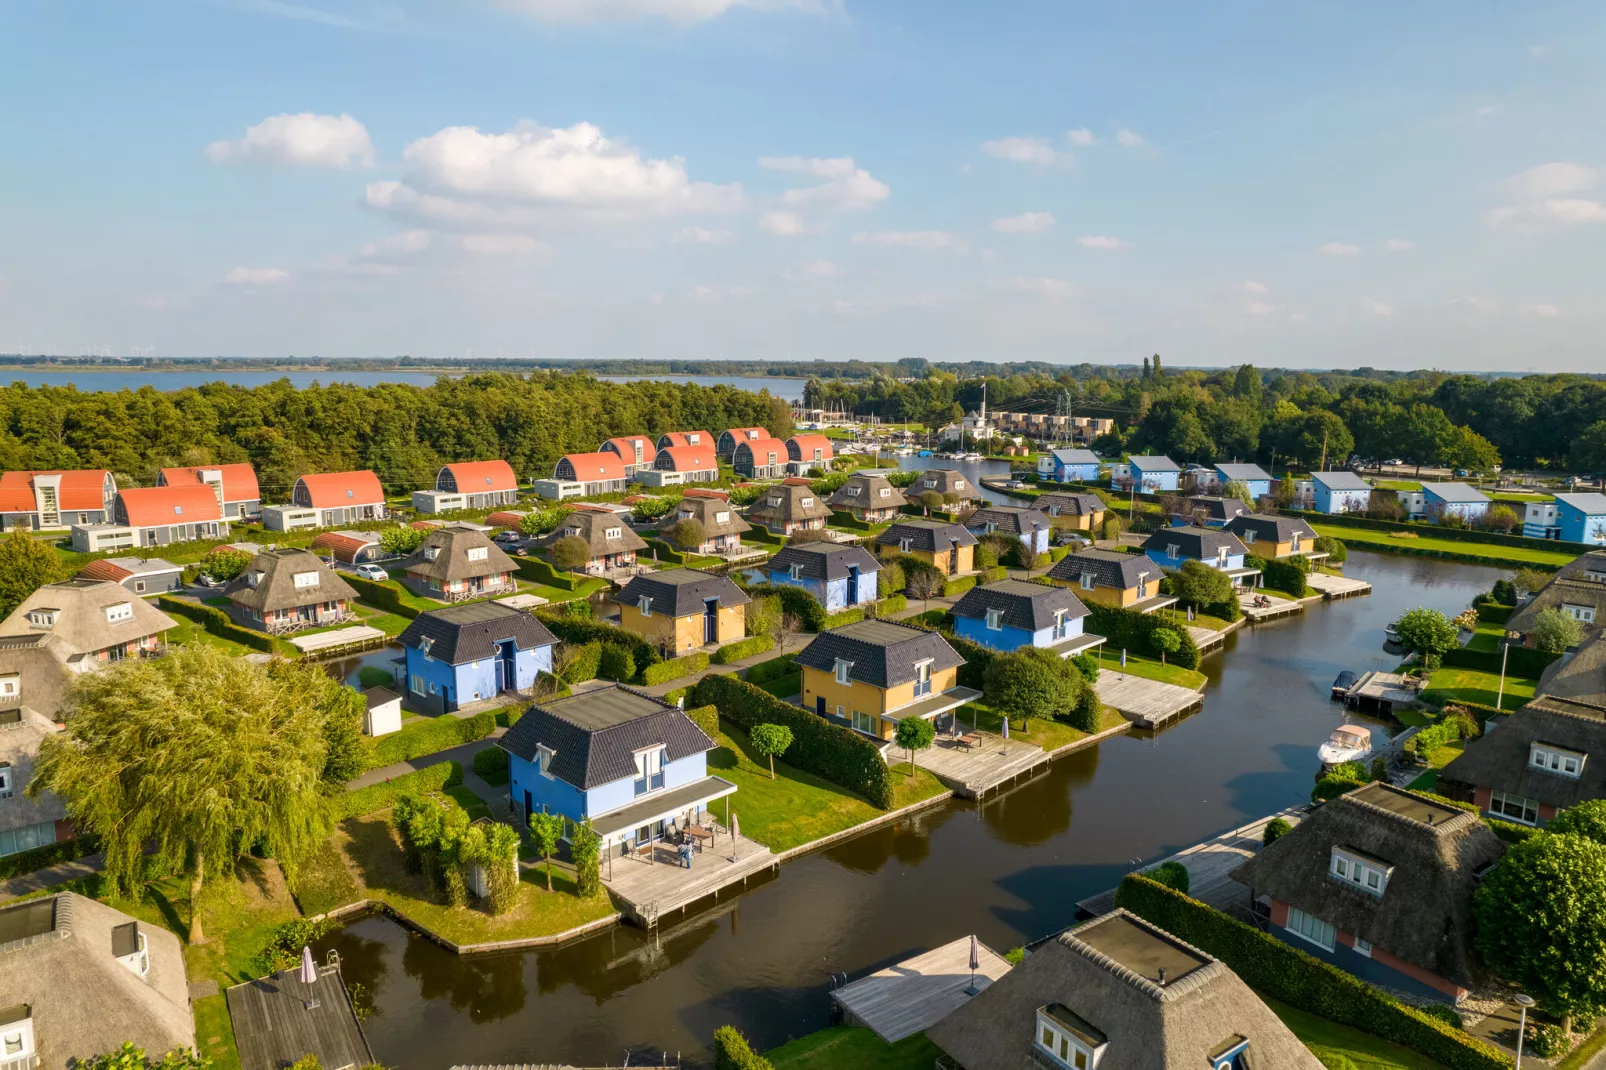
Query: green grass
x,y
1043,732
1473,685
465,797
214,1033
784,686
1584,1053
1486,637
843,1047
1397,484
1412,718
1151,669
1383,540
1340,1047
797,807
324,882
190,632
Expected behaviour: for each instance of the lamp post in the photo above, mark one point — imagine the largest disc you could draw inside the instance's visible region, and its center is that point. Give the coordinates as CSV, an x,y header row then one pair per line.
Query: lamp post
x,y
1524,1001
1505,649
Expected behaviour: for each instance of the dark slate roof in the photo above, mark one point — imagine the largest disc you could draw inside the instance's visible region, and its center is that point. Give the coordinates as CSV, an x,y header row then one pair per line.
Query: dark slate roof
x,y
824,560
681,591
1217,508
1458,493
1110,569
1341,481
1245,472
1269,528
1029,606
883,653
594,736
461,634
1070,504
1010,519
1073,457
1155,464
934,535
1196,542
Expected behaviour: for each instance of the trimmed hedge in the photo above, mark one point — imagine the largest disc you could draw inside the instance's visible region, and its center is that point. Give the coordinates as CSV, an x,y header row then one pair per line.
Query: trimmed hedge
x,y
584,662
994,574
1129,629
427,737
794,600
35,858
732,1052
1268,965
218,623
773,669
666,552
841,519
380,596
587,630
843,617
378,796
838,754
1285,576
892,603
491,762
1520,661
1494,612
706,718
1440,531
674,669
742,648
957,586
538,571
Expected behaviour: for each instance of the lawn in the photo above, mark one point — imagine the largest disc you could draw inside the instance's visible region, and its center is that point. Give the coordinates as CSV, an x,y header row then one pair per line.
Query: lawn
x,y
1486,637
784,687
1150,668
843,1047
1340,1047
1044,732
797,807
190,632
1473,685
1383,540
214,1033
1442,756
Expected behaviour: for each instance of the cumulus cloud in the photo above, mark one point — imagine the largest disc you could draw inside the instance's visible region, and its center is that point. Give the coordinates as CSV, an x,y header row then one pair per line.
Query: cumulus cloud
x,y
255,276
704,236
1255,287
1032,150
1399,245
1082,138
929,240
1129,138
1549,179
784,224
304,140
1563,211
1102,242
811,271
679,11
1378,308
844,185
1542,311
1536,191
1338,248
1025,223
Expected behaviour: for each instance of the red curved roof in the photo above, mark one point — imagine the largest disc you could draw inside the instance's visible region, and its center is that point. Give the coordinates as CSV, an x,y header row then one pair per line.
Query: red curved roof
x,y
478,477
331,490
687,459
155,507
682,438
80,489
807,444
239,480
698,492
626,448
748,434
593,467
343,545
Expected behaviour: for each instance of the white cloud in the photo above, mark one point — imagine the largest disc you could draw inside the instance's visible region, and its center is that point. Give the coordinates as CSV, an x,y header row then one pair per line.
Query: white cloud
x,y
1259,308
252,276
1378,308
304,140
1129,138
908,239
811,271
1563,211
1025,223
1483,111
499,243
1055,289
712,294
1399,245
1255,287
1476,303
704,236
1542,311
1102,242
1032,150
1549,179
845,186
784,224
408,241
1338,248
1082,137
679,11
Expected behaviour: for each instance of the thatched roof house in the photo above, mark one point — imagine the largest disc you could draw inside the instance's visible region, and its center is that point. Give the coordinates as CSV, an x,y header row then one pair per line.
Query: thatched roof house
x,y
288,588
787,507
608,538
30,822
868,496
723,526
1580,583
458,562
95,622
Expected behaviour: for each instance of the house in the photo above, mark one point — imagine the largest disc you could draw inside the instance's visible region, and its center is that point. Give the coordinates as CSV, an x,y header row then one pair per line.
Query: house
x,y
1413,503
948,546
287,589
141,575
1215,547
1130,581
610,542
328,500
349,547
558,489
839,576
1118,993
700,439
1252,476
1379,883
763,458
805,453
636,451
681,609
1210,511
632,765
457,563
1581,518
789,506
722,526
1339,492
465,654
1010,614
1079,512
675,465
82,979
1275,536
85,624
593,473
1069,466
469,485
1539,520
43,501
869,498
946,482
1026,524
155,516
730,438
234,484
871,675
27,823
1578,589
1149,475
1454,499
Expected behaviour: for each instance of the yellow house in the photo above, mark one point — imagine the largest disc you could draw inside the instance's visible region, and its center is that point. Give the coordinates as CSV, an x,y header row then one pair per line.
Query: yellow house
x,y
1126,581
1275,536
947,546
683,609
871,675
1079,512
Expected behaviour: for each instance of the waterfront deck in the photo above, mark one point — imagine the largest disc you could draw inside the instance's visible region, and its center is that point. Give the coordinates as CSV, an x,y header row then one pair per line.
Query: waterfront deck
x,y
1332,587
1206,639
1147,703
279,1019
1280,607
352,638
974,771
917,993
648,890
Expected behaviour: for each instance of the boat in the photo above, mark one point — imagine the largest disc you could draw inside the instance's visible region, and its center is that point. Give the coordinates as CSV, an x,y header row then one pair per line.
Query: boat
x,y
1342,683
1389,634
924,453
1348,743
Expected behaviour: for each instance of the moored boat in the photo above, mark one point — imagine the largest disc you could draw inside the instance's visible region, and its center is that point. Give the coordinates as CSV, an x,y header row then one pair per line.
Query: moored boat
x,y
1348,743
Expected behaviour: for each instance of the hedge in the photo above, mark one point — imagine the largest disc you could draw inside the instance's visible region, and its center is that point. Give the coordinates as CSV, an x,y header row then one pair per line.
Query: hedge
x,y
1269,965
843,617
35,858
666,552
1520,660
892,603
773,669
491,762
538,571
794,600
742,648
429,736
1129,629
674,668
706,718
1403,546
841,519
437,777
380,596
958,586
1494,612
218,623
732,1052
828,750
1440,531
587,630
977,658
1285,576
994,574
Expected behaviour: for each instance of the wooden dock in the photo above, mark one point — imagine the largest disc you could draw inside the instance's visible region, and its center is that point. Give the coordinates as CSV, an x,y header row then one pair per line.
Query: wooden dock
x,y
1147,703
973,772
1206,639
1208,862
650,890
1332,587
917,993
1280,607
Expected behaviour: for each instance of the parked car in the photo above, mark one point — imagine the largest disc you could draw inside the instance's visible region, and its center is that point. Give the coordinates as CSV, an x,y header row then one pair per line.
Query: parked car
x,y
370,571
208,581
507,535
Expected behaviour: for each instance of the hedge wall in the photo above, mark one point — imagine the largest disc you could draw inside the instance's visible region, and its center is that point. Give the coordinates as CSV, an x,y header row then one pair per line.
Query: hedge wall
x,y
378,796
586,630
218,623
994,574
794,600
732,1052
1439,531
840,519
429,736
1130,629
958,586
35,858
706,718
666,552
674,668
380,596
538,571
1284,576
773,669
584,662
742,648
1268,965
843,617
892,603
1494,612
838,754
1520,661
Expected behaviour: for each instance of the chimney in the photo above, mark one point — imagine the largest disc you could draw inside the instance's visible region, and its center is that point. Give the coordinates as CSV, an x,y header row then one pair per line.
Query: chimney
x,y
1162,976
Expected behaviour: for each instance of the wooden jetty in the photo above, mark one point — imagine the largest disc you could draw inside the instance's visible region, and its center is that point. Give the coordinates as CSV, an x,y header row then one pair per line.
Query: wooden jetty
x,y
916,994
281,1018
1208,862
1146,703
649,888
339,641
1206,639
1332,587
973,771
1280,607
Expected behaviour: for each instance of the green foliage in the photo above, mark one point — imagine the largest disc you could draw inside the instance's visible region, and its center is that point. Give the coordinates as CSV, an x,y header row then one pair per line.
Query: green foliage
x,y
770,741
1546,1040
36,858
957,586
649,508
543,521
428,736
742,648
385,596
706,718
1530,580
794,600
1554,631
399,540
915,734
26,564
1287,575
585,848
773,669
1494,613
1198,586
1444,1013
674,668
224,563
616,663
538,571
890,580
129,1057
1171,874
362,801
763,615
1586,819
282,951
573,629
494,847
218,623
545,832
1331,787
569,553
431,833
1032,682
1504,592
492,762
1085,715
1430,739
732,1052
1130,630
1088,666
842,617
1165,641
1337,553
1426,631
663,552
344,711
893,603
579,662
1275,829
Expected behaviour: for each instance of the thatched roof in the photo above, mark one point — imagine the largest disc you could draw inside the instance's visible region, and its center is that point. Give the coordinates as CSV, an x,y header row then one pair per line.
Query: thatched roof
x,y
21,732
1103,978
592,528
40,662
865,490
1576,682
1424,915
269,582
444,556
707,512
788,503
1571,585
81,620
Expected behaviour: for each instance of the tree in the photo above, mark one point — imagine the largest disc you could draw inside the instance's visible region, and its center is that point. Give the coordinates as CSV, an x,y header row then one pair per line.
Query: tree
x,y
925,584
1085,715
204,755
1337,553
1199,585
1501,518
1554,631
1542,922
930,500
26,564
569,553
1166,641
890,579
791,626
1586,819
687,534
543,521
651,508
400,540
585,846
770,740
129,1057
1237,488
1588,453
1530,580
915,734
1031,682
494,847
546,830
1427,632
224,563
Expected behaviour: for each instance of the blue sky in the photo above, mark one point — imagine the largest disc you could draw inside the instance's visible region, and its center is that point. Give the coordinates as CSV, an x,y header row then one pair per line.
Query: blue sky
x,y
1412,185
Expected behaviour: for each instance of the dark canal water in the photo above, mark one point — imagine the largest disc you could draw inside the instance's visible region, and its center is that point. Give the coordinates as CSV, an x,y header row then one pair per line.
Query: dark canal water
x,y
1010,871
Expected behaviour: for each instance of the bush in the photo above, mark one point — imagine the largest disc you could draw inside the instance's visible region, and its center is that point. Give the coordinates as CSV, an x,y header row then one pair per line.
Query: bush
x,y
1331,787
843,617
993,575
742,648
1337,553
773,669
1491,613
1085,716
425,737
35,858
732,1052
796,601
538,571
1504,592
706,718
958,586
1276,828
218,623
1547,1041
585,630
1555,631
1128,629
492,762
838,754
580,662
1520,660
1272,966
374,676
1286,576
665,552
616,663
674,668
1444,1013
380,595
890,580
378,796
1171,874
895,603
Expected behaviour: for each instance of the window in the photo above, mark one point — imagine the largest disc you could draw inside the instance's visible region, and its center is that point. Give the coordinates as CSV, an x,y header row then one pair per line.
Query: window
x,y
645,605
178,510
853,492
1221,557
5,780
1173,550
1595,577
928,483
923,679
1088,581
1311,928
43,618
120,613
1248,537
1066,1049
797,572
905,544
1294,542
1524,811
819,454
959,484
139,586
693,439
844,670
10,686
478,553
1363,947
885,492
1551,760
425,643
865,722
722,517
807,503
613,533
995,620
773,501
1582,614
543,760
1360,873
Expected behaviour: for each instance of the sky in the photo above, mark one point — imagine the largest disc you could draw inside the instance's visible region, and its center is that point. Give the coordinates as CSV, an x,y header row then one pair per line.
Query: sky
x,y
1297,185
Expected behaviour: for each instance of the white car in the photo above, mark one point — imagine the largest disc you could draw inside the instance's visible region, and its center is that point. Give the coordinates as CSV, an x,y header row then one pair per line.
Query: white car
x,y
370,571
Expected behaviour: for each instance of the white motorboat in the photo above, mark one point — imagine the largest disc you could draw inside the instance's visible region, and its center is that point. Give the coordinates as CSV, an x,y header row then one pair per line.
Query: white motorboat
x,y
1348,743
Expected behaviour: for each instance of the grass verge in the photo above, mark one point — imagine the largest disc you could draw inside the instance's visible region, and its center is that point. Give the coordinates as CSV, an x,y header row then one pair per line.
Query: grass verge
x,y
214,1033
1340,1047
1474,685
1517,556
1044,732
842,1047
1151,669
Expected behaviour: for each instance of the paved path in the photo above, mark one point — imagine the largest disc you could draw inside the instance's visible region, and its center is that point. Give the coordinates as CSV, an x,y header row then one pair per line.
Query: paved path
x,y
463,754
51,876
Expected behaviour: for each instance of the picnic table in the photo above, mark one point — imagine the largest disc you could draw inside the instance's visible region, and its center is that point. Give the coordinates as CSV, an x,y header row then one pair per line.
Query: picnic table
x,y
970,739
702,836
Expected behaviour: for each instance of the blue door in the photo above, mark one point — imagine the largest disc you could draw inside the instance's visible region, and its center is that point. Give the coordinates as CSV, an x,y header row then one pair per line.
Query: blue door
x,y
853,584
507,673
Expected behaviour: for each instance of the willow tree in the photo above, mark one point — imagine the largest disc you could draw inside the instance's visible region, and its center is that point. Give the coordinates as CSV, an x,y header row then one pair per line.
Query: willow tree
x,y
201,754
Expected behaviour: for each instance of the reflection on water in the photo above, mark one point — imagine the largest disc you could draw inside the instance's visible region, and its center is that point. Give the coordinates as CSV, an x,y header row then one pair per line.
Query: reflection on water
x,y
1010,870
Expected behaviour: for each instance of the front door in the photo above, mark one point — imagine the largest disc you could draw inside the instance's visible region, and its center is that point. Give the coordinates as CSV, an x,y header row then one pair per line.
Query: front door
x,y
507,676
529,808
853,584
711,621
923,679
819,705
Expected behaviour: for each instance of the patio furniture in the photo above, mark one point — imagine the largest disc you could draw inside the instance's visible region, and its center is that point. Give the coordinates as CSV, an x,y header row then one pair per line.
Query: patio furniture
x,y
700,836
969,740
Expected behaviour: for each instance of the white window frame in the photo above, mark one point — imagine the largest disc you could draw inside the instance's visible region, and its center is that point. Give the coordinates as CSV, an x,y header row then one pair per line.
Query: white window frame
x,y
1499,800
644,604
479,553
1052,1039
1561,763
868,723
1359,873
415,684
6,787
1173,550
994,619
1582,614
1089,581
1363,947
10,685
807,503
613,533
303,580
120,613
843,671
722,517
1299,921
797,572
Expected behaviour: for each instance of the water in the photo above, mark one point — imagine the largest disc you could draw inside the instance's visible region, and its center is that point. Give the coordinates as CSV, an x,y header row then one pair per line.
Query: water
x,y
972,470
1010,871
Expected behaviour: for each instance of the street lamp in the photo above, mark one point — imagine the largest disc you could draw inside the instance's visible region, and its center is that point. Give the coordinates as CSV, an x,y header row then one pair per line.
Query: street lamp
x,y
1524,1001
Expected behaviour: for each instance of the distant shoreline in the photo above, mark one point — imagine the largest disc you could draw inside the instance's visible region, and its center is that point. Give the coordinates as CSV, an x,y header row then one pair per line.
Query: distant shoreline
x,y
253,368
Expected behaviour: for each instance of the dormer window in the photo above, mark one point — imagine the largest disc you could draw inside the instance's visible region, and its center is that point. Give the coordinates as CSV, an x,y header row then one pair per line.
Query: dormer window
x,y
1368,874
6,784
693,439
1173,550
885,492
543,759
10,686
797,572
773,502
1582,614
1248,537
256,578
1558,760
120,613
16,1035
1088,581
722,517
959,484
425,643
1221,557
128,948
1230,1053
905,544
995,620
306,579
645,605
1067,1039
613,533
1595,577
807,503
43,618
929,483
649,770
844,671
478,553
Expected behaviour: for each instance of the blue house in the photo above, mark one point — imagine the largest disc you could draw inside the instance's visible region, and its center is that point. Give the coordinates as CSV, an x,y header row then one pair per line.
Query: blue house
x,y
1540,520
633,765
1340,492
1069,466
1210,511
1454,499
1582,517
468,653
1028,525
1010,614
1152,475
1213,547
838,576
1256,478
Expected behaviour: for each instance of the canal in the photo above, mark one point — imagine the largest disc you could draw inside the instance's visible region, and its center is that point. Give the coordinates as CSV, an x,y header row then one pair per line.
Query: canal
x,y
1009,871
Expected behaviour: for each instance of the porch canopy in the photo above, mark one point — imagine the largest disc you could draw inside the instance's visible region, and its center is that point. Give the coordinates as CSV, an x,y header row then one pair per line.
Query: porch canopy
x,y
932,705
660,806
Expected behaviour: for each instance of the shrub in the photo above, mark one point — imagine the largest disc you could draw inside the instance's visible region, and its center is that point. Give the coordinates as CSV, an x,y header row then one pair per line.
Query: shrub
x,y
1172,875
1331,787
428,737
1504,593
895,603
958,586
285,941
1085,716
1275,829
537,571
218,623
585,630
843,617
380,595
1128,629
35,858
1547,1041
993,575
763,616
742,648
492,762
796,601
578,663
706,718
1337,553
732,1052
1286,576
616,663
890,580
773,669
674,668
569,553
378,796
374,676
1554,631
1444,1013
1491,613
494,847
